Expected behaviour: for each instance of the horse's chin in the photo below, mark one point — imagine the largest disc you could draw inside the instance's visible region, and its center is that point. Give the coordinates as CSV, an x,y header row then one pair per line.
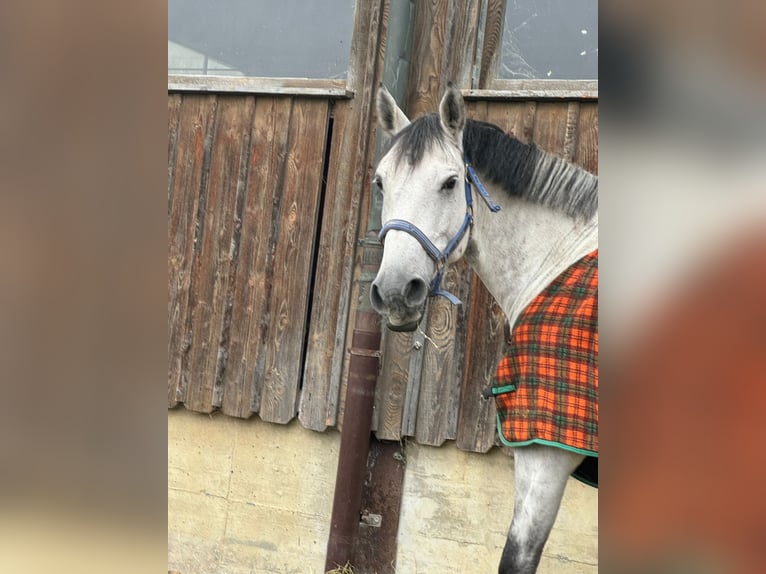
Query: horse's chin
x,y
404,327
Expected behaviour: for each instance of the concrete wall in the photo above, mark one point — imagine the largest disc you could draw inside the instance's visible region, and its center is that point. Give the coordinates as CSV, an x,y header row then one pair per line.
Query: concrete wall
x,y
247,496
457,508
250,497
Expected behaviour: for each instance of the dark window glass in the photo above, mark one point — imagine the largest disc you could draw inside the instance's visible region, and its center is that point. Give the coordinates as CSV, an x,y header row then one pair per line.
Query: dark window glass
x,y
550,39
266,38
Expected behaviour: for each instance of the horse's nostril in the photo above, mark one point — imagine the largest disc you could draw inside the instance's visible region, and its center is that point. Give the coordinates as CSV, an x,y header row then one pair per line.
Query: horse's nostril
x,y
415,292
376,299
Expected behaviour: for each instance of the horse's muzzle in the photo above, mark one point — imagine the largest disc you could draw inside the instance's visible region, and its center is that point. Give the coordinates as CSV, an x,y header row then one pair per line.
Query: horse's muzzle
x,y
401,306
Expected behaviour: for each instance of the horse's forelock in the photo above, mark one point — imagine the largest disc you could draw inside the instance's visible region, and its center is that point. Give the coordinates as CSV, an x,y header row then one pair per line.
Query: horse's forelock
x,y
421,136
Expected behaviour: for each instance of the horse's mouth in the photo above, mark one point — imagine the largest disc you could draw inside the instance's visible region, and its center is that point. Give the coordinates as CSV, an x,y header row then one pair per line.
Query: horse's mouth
x,y
404,327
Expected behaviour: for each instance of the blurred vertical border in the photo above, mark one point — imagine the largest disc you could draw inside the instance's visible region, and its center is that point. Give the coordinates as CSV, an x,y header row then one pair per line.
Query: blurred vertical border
x,y
83,287
682,149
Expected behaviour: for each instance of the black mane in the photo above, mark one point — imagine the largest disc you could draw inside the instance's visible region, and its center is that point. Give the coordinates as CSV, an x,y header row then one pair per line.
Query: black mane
x,y
522,169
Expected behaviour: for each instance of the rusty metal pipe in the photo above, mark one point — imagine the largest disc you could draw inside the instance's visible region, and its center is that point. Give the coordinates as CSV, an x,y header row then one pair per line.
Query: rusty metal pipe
x,y
355,440
365,346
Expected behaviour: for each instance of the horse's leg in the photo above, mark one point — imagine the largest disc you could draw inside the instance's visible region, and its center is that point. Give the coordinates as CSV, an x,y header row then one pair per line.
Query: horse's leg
x,y
541,476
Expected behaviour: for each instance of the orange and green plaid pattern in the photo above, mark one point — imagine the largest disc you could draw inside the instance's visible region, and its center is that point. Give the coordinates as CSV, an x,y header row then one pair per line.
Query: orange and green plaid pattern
x,y
546,387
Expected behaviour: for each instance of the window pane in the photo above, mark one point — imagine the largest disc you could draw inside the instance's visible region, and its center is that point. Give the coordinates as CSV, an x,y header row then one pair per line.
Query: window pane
x,y
267,38
550,39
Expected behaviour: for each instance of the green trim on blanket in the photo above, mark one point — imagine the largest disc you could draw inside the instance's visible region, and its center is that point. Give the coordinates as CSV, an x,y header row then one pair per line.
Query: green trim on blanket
x,y
539,441
503,389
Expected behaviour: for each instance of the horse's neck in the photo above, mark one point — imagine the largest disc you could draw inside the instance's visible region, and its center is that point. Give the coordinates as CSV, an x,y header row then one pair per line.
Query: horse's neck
x,y
518,251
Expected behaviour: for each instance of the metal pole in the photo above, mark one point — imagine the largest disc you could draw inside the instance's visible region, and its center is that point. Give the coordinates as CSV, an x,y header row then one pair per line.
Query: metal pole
x,y
354,444
364,362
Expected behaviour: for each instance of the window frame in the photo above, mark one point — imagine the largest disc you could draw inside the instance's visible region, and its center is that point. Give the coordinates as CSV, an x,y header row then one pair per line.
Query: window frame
x,y
484,81
259,85
282,86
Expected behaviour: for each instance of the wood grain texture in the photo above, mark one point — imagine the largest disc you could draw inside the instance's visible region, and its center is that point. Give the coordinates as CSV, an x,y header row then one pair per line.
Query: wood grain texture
x,y
345,200
426,74
443,51
248,329
396,356
443,361
192,155
333,268
322,88
355,143
550,126
570,130
292,260
174,114
210,272
493,40
586,154
539,90
461,48
414,379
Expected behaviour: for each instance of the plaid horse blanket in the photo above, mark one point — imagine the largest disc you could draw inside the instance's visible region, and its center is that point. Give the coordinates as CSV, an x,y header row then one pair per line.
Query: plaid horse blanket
x,y
546,385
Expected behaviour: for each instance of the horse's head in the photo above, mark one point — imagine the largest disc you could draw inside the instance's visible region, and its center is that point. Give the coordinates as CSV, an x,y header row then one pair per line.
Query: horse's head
x,y
426,220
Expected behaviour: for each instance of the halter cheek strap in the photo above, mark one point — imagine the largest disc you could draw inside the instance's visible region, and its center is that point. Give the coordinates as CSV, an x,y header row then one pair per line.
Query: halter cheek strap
x,y
440,257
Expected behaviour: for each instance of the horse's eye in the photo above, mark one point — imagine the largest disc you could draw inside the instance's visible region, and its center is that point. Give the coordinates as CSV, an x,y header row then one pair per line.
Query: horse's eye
x,y
379,182
450,183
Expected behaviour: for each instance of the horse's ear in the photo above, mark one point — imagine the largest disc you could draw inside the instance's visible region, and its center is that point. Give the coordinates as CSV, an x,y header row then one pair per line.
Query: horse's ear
x,y
452,113
390,117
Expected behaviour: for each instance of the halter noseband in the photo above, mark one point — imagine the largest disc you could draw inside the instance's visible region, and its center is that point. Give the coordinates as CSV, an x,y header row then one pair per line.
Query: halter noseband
x,y
440,257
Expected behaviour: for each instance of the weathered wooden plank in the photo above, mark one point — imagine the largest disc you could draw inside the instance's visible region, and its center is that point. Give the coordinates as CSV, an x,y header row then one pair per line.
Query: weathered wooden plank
x,y
304,87
412,392
396,349
249,322
293,260
460,50
242,130
570,133
443,52
586,154
192,156
356,152
334,268
477,110
512,90
484,346
550,126
493,39
210,273
443,361
426,76
515,118
528,129
174,113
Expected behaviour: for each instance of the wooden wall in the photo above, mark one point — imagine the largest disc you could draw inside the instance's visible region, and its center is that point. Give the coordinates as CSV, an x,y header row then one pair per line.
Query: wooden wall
x,y
245,191
267,196
264,200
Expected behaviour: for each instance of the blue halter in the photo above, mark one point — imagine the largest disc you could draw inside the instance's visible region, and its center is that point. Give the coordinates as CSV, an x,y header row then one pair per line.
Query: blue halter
x,y
440,257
